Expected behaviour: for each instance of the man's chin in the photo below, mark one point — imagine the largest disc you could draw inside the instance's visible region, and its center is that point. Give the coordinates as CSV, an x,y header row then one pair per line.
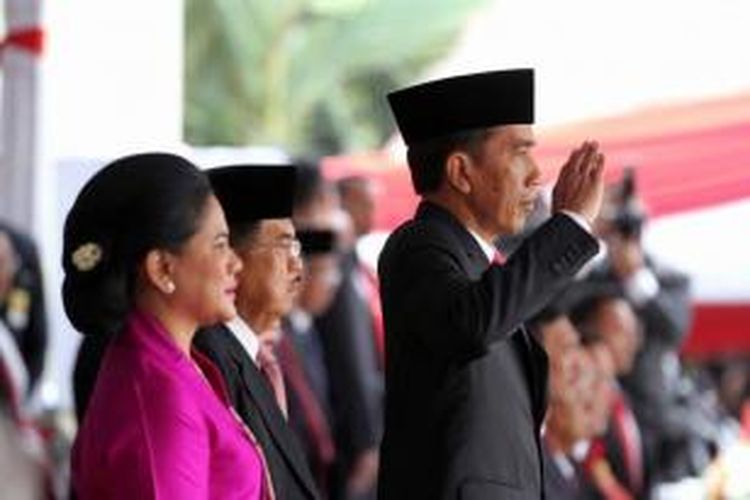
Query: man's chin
x,y
515,229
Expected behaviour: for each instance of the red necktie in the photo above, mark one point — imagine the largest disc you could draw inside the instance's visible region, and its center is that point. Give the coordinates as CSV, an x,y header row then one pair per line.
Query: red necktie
x,y
370,281
271,368
498,258
627,432
599,472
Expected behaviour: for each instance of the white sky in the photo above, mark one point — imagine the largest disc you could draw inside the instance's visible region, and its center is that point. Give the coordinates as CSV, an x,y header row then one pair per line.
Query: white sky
x,y
602,57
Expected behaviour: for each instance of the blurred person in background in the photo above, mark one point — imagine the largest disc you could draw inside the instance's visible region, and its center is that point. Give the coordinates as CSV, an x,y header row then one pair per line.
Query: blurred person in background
x,y
352,331
303,360
732,380
597,395
19,476
357,195
346,332
16,379
611,332
257,201
565,424
14,374
22,304
316,201
674,441
147,261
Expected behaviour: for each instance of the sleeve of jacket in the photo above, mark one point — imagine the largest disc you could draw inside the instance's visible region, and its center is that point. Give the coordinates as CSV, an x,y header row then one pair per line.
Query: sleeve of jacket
x,y
669,313
449,313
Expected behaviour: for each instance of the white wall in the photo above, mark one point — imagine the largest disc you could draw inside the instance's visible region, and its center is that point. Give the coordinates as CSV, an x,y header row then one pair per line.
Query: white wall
x,y
602,57
112,85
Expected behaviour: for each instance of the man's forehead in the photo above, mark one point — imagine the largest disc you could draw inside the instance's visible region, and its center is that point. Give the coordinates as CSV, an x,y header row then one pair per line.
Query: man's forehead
x,y
515,133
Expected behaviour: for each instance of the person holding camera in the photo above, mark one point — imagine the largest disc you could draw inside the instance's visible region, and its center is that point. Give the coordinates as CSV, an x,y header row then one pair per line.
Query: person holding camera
x,y
660,296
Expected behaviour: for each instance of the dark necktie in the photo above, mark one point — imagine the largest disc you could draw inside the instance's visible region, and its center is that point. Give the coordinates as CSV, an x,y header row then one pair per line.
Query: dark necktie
x,y
312,413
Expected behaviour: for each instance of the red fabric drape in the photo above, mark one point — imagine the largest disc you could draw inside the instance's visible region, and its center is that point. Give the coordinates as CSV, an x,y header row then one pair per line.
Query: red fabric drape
x,y
29,39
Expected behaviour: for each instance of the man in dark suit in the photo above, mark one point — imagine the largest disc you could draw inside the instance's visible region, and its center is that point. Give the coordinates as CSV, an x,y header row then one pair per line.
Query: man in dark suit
x,y
349,330
22,309
303,359
465,384
257,201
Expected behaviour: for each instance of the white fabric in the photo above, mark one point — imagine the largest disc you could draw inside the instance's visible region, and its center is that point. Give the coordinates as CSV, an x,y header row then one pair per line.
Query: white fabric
x,y
487,248
642,286
300,320
11,358
578,219
564,465
245,336
580,449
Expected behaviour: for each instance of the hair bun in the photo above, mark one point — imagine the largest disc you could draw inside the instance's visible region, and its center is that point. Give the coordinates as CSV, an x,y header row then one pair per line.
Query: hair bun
x,y
130,206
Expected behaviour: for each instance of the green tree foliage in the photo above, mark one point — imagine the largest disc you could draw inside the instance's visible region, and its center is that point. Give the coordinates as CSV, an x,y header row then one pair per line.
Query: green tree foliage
x,y
308,75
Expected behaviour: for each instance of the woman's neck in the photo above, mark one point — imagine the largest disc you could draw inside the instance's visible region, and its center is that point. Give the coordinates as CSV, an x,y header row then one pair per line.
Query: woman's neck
x,y
179,328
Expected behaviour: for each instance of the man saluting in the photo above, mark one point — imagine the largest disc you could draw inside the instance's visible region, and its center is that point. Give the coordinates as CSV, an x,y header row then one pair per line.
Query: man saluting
x,y
465,384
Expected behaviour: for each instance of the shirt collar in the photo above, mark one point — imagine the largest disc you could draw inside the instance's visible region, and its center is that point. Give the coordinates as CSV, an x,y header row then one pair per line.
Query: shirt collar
x,y
245,336
487,248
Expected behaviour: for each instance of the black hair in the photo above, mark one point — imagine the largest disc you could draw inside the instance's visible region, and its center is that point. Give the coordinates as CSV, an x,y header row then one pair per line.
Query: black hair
x,y
427,159
133,205
309,182
242,233
550,313
345,184
584,314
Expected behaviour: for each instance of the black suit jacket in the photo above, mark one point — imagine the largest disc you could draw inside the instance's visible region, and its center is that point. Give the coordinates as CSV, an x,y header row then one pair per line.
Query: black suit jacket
x,y
465,384
252,397
347,337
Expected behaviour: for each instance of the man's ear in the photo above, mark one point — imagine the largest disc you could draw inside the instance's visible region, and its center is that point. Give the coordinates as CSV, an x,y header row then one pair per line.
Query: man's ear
x,y
457,171
158,269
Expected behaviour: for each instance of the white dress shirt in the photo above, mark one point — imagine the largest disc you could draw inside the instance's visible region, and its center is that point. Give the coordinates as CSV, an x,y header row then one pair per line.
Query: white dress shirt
x,y
246,336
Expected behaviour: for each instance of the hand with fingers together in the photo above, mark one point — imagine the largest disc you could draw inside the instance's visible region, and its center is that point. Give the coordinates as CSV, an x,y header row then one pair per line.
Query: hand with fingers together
x,y
580,184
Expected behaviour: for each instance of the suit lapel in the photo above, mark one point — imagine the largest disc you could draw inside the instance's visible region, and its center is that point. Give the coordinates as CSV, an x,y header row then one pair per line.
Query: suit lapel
x,y
530,353
539,367
474,260
257,389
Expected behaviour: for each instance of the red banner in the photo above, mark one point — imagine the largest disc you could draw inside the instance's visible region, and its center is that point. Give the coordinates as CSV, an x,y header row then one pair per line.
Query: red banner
x,y
28,39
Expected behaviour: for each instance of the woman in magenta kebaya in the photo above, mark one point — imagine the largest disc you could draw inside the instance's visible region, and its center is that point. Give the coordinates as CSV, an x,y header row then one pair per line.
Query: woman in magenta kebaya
x,y
147,261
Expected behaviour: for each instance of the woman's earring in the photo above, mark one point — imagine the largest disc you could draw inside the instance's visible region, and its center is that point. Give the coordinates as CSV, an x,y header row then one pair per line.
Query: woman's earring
x,y
169,287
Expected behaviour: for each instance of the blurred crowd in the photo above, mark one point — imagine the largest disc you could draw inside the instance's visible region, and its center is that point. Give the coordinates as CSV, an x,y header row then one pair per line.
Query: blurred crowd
x,y
627,417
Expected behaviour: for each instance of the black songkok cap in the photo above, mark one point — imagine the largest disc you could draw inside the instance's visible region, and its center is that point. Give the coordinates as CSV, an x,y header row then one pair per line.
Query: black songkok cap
x,y
481,100
250,193
317,241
